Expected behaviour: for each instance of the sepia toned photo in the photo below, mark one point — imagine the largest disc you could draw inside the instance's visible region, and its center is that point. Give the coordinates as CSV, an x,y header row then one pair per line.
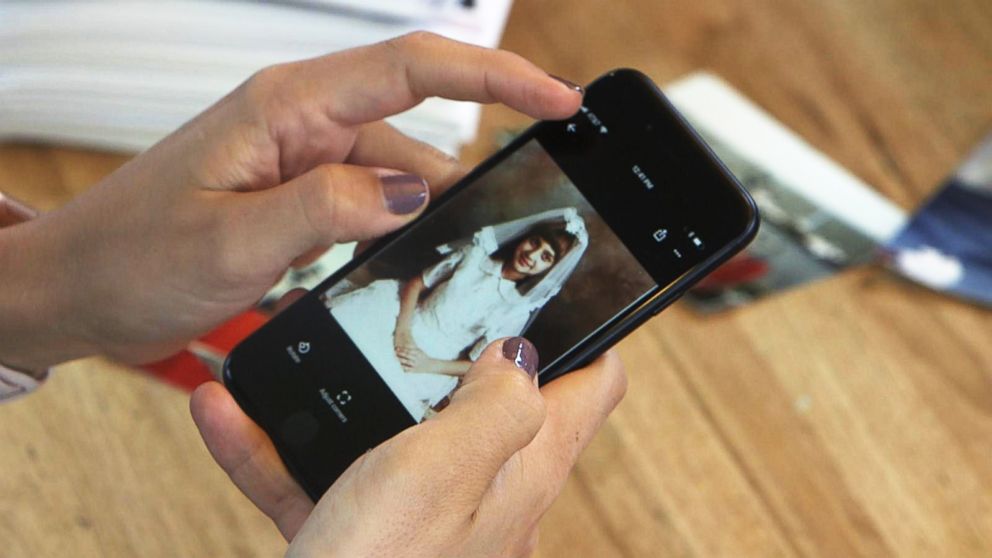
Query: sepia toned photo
x,y
520,252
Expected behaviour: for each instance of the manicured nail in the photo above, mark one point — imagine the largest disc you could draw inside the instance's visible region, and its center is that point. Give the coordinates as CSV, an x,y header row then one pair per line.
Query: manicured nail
x,y
522,353
404,193
571,85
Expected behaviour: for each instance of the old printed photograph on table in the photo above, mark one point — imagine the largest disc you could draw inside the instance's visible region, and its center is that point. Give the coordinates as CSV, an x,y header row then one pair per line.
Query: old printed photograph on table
x,y
817,218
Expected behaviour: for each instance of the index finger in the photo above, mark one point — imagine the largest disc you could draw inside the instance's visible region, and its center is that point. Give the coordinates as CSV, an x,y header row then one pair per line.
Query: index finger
x,y
369,83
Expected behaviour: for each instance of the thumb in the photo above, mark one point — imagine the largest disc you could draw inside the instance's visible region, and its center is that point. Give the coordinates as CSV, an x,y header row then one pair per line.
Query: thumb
x,y
247,455
495,413
327,205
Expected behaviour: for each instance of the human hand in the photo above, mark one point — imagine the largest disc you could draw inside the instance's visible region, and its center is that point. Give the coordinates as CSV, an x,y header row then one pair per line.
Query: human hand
x,y
403,340
412,359
199,227
410,355
473,481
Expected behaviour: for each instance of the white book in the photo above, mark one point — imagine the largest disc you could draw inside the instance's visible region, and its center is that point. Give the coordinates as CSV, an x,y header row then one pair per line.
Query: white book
x,y
123,75
817,218
720,111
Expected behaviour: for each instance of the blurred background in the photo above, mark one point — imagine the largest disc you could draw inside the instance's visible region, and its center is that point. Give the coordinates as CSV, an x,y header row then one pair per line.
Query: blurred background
x,y
850,415
122,75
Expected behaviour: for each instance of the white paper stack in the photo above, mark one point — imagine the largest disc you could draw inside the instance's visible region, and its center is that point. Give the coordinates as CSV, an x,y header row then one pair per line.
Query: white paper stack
x,y
123,74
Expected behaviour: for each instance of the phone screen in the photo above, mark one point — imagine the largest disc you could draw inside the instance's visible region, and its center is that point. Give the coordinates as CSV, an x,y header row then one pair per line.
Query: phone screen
x,y
519,252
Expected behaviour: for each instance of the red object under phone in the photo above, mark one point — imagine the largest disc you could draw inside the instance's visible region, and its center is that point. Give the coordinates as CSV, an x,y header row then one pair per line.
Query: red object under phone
x,y
742,268
185,370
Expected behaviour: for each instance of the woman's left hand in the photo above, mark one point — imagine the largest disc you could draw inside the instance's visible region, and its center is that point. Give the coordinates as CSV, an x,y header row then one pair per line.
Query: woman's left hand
x,y
414,360
199,227
403,343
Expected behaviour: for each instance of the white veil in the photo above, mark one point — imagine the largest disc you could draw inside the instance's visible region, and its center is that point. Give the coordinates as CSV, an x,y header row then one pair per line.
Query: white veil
x,y
513,321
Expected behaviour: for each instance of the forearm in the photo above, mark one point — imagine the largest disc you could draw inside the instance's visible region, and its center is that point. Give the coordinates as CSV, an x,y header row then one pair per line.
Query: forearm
x,y
409,296
36,326
452,367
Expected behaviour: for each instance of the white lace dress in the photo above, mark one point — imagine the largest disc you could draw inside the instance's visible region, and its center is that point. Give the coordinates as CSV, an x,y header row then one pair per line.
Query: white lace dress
x,y
465,288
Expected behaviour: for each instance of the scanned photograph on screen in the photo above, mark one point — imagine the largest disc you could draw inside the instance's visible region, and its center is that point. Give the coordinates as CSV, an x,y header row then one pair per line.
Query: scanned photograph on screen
x,y
520,252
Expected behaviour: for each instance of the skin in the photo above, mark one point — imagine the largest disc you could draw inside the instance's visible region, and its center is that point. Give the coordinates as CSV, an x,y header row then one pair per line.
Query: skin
x,y
473,481
197,228
532,256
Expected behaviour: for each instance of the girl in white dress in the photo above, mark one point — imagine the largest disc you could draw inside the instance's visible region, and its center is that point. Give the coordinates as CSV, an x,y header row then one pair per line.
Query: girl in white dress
x,y
422,334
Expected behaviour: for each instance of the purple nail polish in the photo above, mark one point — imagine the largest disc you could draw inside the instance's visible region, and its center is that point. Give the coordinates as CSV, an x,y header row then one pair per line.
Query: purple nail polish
x,y
569,84
521,353
404,193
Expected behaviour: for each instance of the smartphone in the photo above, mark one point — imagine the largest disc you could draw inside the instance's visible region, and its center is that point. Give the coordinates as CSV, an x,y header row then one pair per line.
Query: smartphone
x,y
572,235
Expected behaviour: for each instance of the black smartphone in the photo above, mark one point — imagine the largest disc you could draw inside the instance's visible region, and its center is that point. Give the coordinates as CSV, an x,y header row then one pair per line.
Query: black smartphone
x,y
572,236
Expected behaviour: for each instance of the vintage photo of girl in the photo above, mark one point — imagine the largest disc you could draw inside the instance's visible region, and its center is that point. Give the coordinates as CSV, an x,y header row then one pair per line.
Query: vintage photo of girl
x,y
422,333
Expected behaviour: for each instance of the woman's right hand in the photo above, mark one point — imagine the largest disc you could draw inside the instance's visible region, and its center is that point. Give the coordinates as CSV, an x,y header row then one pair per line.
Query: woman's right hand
x,y
473,481
196,229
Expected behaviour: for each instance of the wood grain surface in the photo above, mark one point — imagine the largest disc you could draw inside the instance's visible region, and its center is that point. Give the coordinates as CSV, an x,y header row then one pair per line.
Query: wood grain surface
x,y
851,417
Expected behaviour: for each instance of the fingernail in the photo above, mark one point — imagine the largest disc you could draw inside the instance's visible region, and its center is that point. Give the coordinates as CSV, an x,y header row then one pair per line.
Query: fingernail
x,y
404,193
571,85
522,353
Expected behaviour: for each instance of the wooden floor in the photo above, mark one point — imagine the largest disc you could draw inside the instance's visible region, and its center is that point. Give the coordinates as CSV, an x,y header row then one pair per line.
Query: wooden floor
x,y
852,417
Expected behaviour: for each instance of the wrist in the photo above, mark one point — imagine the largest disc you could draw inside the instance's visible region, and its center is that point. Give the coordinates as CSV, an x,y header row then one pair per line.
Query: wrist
x,y
35,328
